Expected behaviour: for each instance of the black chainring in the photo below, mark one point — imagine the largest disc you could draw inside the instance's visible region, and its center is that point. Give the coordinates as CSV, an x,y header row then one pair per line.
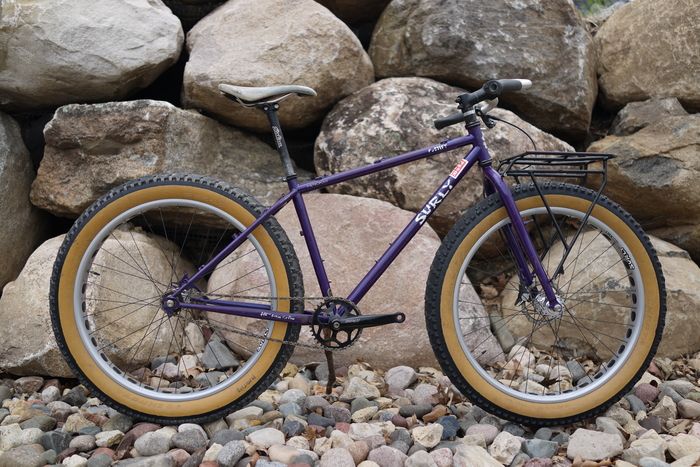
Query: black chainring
x,y
321,327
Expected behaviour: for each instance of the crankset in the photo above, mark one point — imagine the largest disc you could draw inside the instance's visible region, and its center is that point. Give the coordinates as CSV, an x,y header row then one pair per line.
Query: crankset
x,y
335,332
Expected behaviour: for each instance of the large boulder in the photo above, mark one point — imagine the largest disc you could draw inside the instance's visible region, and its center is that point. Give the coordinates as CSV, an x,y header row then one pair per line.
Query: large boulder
x,y
468,42
654,176
596,311
28,346
667,62
637,115
92,148
82,50
20,236
354,11
396,115
229,46
352,233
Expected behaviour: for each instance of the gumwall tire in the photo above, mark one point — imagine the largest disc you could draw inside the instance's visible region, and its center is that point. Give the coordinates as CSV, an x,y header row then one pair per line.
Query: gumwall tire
x,y
441,326
258,377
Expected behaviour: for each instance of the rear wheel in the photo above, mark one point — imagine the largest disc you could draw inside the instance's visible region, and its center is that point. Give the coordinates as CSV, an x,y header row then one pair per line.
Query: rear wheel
x,y
501,344
130,249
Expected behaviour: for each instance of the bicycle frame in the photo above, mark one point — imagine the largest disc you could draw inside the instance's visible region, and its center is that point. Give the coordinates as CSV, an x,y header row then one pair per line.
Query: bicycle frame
x,y
518,239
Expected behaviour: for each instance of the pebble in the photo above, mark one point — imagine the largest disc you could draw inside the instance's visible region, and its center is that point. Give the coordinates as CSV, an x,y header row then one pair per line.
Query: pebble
x,y
428,436
504,447
683,445
358,387
319,420
189,440
420,459
646,392
106,439
152,443
489,432
56,440
266,437
593,445
387,456
450,426
689,409
400,377
540,448
418,410
337,457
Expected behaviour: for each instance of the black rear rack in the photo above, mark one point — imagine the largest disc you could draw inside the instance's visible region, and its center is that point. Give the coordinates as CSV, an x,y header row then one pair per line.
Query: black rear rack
x,y
579,166
559,164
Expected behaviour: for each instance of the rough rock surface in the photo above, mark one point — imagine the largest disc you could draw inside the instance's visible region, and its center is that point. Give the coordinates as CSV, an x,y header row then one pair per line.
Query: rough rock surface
x,y
116,48
468,42
396,115
667,66
344,225
228,46
659,166
354,11
29,347
93,148
19,237
637,115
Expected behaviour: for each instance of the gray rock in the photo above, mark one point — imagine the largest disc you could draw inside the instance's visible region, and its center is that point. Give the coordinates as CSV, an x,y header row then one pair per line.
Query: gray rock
x,y
56,440
43,422
76,397
231,453
637,115
319,420
652,462
223,437
5,392
100,460
339,414
450,426
360,403
189,440
210,378
50,394
83,443
514,429
335,64
410,40
418,410
130,45
218,356
292,428
636,404
543,433
311,403
23,456
290,408
152,444
387,456
400,377
337,457
161,460
119,422
540,448
592,445
689,409
666,76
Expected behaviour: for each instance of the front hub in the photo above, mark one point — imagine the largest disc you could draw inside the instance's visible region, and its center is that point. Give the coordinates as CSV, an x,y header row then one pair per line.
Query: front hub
x,y
547,313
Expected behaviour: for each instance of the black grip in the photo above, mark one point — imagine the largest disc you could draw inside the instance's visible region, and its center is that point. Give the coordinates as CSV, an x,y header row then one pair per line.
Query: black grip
x,y
510,85
441,123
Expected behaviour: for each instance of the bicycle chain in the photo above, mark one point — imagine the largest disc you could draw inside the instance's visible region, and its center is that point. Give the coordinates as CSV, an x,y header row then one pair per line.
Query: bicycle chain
x,y
236,330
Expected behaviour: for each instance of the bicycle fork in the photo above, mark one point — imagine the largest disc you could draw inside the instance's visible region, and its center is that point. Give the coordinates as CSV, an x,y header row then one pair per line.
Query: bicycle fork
x,y
516,235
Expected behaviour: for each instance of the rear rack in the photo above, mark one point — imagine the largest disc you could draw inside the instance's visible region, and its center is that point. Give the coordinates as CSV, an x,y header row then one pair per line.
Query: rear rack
x,y
579,166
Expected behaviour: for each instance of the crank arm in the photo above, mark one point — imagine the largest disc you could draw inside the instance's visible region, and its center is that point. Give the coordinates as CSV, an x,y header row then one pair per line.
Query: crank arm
x,y
367,321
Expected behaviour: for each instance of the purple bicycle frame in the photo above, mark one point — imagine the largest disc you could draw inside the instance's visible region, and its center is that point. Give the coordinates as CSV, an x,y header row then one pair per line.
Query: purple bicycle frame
x,y
516,234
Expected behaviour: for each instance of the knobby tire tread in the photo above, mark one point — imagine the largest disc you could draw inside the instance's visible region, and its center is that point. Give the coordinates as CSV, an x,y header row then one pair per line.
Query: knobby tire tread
x,y
282,242
462,227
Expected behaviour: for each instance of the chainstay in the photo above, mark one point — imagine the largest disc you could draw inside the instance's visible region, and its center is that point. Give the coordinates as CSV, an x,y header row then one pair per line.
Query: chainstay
x,y
240,331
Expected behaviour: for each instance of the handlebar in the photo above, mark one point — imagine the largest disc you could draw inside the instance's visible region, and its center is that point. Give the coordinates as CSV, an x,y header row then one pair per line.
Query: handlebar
x,y
491,89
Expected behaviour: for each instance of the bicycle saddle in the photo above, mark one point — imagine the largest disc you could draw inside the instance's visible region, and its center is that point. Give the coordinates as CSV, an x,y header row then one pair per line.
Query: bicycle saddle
x,y
250,95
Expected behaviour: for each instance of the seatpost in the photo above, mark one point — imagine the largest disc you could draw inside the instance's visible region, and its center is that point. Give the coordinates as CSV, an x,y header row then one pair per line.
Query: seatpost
x,y
270,110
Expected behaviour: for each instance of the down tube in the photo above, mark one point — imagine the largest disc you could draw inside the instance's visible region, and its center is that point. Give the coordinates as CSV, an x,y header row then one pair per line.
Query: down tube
x,y
414,226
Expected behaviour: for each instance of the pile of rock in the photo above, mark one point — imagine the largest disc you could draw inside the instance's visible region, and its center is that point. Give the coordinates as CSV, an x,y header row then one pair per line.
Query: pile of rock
x,y
402,417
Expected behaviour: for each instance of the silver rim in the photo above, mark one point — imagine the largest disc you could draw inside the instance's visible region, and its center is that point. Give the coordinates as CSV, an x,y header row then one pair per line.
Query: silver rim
x,y
81,312
618,359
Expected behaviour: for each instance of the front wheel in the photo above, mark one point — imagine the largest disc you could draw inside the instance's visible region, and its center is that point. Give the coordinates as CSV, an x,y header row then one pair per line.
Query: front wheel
x,y
497,339
133,247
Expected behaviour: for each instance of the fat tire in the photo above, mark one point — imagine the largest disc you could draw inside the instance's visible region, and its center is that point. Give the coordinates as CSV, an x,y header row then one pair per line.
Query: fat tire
x,y
437,276
282,242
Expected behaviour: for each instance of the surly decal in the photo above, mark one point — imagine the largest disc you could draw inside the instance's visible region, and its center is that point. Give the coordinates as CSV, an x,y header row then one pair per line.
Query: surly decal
x,y
434,202
437,148
458,168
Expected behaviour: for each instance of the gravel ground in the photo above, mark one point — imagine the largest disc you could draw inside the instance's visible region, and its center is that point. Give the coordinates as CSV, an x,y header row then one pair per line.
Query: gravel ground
x,y
402,417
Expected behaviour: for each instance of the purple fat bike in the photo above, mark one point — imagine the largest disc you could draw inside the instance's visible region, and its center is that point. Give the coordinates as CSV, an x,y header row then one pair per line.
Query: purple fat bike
x,y
179,298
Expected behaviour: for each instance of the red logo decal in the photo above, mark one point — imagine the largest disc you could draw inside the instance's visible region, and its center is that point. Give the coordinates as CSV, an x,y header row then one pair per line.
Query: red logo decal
x,y
458,168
